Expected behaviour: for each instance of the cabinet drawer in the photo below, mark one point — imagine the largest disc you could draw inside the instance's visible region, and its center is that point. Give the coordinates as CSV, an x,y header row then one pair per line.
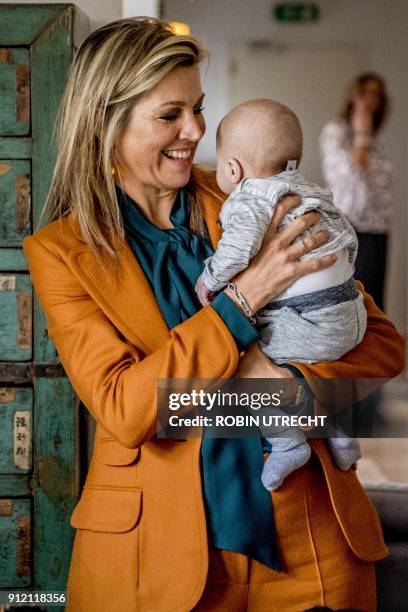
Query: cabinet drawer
x,y
15,543
16,303
15,430
15,96
15,201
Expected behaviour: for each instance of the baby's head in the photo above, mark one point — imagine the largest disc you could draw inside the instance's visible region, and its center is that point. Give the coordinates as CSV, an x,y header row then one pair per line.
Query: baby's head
x,y
256,139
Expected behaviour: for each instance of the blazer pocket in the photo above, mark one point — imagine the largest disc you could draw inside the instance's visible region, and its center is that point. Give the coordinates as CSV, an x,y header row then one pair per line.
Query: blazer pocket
x,y
108,509
110,452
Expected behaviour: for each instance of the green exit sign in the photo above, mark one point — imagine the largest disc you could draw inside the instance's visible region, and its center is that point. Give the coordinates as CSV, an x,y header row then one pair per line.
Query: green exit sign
x,y
296,12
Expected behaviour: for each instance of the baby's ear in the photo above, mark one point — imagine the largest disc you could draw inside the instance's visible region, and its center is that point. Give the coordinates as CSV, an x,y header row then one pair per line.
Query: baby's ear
x,y
235,170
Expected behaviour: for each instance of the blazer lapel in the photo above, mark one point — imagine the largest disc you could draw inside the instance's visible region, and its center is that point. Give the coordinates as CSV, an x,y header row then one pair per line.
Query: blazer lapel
x,y
126,297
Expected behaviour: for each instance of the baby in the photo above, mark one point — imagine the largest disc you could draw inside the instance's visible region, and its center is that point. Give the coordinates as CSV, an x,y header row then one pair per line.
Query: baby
x,y
321,316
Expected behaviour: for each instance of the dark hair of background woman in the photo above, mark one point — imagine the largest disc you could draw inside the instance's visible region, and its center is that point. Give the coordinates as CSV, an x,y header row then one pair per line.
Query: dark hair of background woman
x,y
355,88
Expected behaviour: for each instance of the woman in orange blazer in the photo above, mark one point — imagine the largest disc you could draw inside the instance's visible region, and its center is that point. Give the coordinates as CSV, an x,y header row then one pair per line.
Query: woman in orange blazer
x,y
132,117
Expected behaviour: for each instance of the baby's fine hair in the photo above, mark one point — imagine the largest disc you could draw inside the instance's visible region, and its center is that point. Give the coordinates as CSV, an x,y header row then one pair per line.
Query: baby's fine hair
x,y
268,133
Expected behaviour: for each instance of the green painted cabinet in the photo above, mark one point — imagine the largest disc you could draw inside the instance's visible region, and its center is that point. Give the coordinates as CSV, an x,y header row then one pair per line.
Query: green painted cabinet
x,y
15,201
38,409
15,91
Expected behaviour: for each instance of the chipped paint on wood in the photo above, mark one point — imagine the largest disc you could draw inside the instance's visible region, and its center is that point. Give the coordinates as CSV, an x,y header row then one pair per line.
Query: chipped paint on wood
x,y
4,168
6,507
15,92
15,549
5,55
22,93
7,282
24,307
23,553
22,439
15,198
15,320
7,394
23,202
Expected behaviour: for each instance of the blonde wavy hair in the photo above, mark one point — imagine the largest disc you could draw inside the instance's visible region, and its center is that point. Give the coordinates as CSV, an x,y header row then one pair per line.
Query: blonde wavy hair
x,y
113,68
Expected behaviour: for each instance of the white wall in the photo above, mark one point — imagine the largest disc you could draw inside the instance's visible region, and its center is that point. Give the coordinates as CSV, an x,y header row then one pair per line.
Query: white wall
x,y
378,25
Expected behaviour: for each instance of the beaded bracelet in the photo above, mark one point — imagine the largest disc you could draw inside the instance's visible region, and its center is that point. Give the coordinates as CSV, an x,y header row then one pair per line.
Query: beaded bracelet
x,y
242,303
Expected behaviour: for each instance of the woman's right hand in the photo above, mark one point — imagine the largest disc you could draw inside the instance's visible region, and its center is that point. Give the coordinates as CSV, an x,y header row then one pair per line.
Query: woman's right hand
x,y
276,267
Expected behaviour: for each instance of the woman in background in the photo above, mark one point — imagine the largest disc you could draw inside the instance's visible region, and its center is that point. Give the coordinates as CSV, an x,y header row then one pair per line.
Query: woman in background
x,y
358,171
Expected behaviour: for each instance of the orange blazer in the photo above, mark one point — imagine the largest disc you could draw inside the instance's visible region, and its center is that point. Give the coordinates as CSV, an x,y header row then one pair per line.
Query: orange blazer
x,y
141,532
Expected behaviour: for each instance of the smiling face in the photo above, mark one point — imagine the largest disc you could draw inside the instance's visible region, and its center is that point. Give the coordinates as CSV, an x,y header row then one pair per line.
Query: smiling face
x,y
157,147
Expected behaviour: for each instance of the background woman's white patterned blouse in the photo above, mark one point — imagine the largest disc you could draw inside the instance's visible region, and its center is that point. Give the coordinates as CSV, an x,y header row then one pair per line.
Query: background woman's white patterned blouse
x,y
365,196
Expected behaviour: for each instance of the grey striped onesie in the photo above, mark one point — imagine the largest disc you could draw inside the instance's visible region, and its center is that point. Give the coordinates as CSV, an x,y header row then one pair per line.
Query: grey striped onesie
x,y
309,326
294,328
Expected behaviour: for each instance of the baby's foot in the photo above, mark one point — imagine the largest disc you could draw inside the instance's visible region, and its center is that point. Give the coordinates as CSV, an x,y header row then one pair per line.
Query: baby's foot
x,y
345,451
280,464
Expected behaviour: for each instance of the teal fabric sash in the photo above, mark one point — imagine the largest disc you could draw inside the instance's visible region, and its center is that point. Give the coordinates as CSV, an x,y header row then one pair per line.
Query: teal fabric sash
x,y
239,509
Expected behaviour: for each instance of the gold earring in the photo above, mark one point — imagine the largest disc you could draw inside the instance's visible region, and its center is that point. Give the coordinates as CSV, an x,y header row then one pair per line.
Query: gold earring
x,y
113,170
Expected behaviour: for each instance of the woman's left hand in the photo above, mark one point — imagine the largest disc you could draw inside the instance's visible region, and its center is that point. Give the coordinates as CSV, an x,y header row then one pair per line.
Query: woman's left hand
x,y
255,364
362,118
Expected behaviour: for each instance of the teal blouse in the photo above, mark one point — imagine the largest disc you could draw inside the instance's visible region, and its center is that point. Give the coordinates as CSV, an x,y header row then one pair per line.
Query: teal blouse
x,y
238,508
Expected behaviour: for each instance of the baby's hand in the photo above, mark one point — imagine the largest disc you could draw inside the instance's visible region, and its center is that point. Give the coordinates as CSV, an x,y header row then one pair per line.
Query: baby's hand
x,y
204,295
